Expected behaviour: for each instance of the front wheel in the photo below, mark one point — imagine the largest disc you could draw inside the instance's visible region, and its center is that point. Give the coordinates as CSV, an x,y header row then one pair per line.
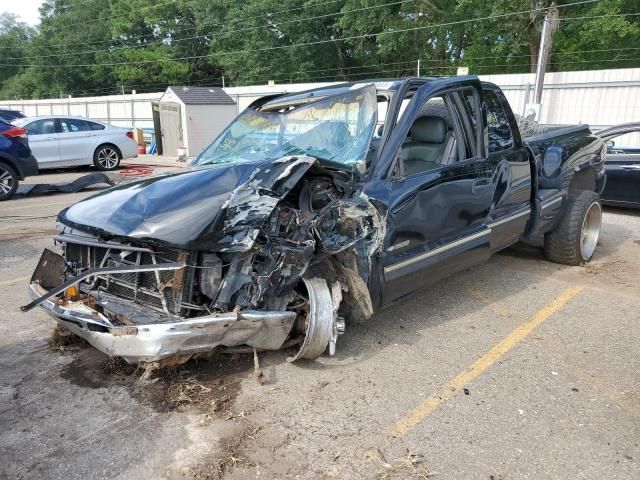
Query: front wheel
x,y
107,157
574,240
317,310
8,181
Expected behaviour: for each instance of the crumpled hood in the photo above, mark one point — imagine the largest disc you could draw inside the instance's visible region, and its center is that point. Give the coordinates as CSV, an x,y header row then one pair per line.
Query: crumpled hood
x,y
219,208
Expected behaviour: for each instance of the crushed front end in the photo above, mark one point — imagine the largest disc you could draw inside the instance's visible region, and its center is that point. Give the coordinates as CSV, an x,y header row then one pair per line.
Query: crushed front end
x,y
266,242
277,279
143,304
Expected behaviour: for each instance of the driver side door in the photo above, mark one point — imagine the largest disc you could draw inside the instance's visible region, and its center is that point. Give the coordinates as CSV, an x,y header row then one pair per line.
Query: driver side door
x,y
439,200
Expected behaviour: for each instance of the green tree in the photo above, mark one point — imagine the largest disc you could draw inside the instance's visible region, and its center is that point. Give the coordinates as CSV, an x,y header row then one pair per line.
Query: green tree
x,y
91,47
15,37
605,38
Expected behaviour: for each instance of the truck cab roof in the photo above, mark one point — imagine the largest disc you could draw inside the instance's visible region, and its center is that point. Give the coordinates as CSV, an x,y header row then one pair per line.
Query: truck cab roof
x,y
384,86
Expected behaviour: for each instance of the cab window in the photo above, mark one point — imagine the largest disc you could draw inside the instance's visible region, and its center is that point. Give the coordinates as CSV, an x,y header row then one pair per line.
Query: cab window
x,y
432,141
500,136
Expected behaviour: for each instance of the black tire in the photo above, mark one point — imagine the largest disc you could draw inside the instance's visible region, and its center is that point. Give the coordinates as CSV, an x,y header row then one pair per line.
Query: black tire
x,y
8,181
107,157
574,239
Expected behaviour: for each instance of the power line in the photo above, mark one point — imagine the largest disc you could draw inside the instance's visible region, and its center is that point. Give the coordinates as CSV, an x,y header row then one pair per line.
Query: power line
x,y
266,15
317,42
155,5
274,25
344,76
154,35
601,16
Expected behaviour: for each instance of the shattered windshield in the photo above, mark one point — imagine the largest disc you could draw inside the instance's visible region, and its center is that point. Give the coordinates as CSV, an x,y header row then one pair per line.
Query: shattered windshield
x,y
337,129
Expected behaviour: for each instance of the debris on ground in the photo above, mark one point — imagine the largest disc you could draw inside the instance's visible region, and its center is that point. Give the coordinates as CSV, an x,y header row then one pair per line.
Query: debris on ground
x,y
191,392
62,340
117,367
79,184
411,466
229,457
257,371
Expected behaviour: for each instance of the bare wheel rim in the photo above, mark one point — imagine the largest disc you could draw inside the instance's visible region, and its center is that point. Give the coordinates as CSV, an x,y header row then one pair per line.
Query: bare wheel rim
x,y
108,157
319,320
6,181
590,231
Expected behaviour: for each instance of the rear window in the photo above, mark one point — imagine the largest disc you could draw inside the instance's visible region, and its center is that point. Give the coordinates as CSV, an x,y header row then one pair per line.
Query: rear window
x,y
500,137
72,125
10,115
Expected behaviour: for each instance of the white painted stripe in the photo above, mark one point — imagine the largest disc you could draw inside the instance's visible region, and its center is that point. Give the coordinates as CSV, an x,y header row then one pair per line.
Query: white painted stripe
x,y
436,251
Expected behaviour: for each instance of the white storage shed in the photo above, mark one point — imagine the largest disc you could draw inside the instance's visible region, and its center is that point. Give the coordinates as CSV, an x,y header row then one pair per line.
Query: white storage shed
x,y
191,117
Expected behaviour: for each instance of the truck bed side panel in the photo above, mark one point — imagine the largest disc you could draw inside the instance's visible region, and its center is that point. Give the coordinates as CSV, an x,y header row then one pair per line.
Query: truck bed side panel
x,y
559,155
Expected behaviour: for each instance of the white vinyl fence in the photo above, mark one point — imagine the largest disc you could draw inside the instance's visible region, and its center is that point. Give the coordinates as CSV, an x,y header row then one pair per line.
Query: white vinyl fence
x,y
600,98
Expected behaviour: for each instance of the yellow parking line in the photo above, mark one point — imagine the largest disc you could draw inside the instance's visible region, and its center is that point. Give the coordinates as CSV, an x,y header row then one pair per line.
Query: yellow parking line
x,y
418,414
15,280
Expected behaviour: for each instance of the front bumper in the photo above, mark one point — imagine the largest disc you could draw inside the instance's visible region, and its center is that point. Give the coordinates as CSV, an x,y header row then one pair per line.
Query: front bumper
x,y
150,342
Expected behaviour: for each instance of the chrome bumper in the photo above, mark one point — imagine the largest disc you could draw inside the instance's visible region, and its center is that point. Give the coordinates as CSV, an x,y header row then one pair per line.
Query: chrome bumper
x,y
150,342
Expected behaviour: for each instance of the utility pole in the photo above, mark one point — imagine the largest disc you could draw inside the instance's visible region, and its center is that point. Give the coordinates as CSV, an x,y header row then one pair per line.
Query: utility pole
x,y
222,81
418,72
550,25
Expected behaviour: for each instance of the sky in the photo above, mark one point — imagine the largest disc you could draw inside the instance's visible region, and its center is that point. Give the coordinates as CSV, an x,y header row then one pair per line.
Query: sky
x,y
27,10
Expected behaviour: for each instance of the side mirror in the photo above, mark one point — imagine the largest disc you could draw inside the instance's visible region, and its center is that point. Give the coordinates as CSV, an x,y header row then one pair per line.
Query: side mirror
x,y
610,144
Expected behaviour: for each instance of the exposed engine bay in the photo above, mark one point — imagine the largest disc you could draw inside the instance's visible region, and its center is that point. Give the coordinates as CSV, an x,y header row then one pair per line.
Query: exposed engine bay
x,y
291,263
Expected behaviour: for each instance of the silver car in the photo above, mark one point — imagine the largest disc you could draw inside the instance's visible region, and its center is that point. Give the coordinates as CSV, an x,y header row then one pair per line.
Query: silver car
x,y
64,141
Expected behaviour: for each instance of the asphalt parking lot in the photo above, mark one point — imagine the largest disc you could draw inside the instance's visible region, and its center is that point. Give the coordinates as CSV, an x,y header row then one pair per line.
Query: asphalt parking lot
x,y
516,369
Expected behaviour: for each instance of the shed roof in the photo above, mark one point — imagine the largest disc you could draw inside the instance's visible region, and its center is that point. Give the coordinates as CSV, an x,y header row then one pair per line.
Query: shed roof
x,y
202,95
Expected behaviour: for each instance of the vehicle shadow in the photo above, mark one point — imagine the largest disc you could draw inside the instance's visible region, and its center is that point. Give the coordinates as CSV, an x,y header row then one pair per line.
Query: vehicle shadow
x,y
421,313
612,236
633,212
466,293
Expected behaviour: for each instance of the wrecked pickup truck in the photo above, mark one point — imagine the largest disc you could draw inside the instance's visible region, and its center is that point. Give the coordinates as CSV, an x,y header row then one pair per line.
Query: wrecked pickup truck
x,y
310,211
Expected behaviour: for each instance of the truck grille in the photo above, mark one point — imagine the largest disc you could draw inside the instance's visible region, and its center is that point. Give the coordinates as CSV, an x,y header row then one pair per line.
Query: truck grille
x,y
164,291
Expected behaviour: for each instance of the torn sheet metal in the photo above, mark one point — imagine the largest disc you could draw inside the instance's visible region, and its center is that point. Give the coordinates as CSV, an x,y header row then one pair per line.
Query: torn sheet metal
x,y
45,267
238,252
198,208
155,341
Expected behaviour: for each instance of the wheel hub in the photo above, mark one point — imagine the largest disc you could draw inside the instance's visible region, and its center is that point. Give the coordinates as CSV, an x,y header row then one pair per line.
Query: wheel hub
x,y
6,181
108,158
322,323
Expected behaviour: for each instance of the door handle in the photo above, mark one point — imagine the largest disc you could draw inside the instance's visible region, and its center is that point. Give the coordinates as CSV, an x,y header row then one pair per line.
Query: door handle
x,y
480,185
630,167
50,138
